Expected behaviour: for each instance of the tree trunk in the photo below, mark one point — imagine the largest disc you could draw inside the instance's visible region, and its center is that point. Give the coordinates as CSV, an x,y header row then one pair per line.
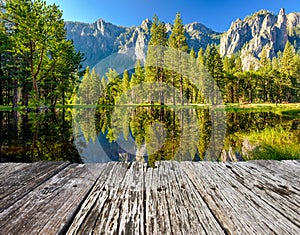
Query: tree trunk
x,y
1,124
25,94
15,124
63,98
1,93
181,90
36,89
265,92
162,114
213,92
250,94
161,92
173,89
16,94
1,77
232,94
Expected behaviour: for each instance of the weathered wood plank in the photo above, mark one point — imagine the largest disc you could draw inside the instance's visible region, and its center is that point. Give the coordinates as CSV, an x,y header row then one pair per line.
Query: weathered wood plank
x,y
187,210
50,207
99,202
7,168
157,206
287,170
145,201
84,214
122,212
237,207
275,191
132,212
174,198
17,183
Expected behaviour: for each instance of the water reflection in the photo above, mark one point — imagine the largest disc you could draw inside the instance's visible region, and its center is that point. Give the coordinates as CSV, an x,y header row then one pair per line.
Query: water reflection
x,y
31,137
149,133
146,134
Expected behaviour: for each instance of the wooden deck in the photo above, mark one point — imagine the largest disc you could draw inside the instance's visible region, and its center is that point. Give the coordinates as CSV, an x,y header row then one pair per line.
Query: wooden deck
x,y
258,197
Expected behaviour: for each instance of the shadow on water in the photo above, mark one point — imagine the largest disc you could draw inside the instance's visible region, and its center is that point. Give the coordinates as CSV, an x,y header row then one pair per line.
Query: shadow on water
x,y
146,134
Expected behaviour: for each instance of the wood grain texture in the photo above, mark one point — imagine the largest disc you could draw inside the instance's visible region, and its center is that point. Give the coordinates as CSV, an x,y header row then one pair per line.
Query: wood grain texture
x,y
239,208
20,181
173,204
50,207
277,192
255,197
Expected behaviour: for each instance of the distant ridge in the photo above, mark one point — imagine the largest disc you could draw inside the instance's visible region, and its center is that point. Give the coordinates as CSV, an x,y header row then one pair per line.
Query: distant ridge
x,y
261,30
100,39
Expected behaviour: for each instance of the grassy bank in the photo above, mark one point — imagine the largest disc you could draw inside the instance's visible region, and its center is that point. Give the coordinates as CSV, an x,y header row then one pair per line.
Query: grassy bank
x,y
291,109
274,144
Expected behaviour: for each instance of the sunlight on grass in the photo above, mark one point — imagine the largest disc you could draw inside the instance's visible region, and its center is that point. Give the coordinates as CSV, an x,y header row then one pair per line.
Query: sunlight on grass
x,y
276,152
272,136
274,144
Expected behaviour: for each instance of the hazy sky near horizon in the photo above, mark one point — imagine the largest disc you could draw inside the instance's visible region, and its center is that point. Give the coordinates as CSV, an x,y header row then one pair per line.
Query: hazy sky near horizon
x,y
215,14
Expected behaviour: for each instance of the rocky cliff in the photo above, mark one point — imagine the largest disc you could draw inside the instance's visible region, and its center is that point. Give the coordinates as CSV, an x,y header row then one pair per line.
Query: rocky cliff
x,y
101,39
96,40
262,30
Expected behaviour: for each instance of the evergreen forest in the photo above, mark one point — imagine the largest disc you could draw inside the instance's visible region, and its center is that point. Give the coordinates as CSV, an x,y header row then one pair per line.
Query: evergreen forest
x,y
276,80
39,66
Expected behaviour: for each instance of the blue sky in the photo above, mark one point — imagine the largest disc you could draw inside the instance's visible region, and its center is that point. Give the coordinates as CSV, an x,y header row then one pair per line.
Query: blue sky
x,y
217,15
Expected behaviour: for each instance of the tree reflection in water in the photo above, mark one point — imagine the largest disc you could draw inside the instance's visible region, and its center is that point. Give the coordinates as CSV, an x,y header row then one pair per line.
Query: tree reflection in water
x,y
141,133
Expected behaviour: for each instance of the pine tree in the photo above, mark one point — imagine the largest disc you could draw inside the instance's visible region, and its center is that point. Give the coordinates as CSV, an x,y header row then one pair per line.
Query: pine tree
x,y
226,64
229,79
288,69
178,42
288,66
103,85
264,73
190,89
59,85
38,35
4,46
114,86
275,64
111,75
177,38
276,87
90,89
200,57
138,75
215,67
207,53
125,80
297,82
155,57
192,54
125,86
238,64
201,76
136,82
264,59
